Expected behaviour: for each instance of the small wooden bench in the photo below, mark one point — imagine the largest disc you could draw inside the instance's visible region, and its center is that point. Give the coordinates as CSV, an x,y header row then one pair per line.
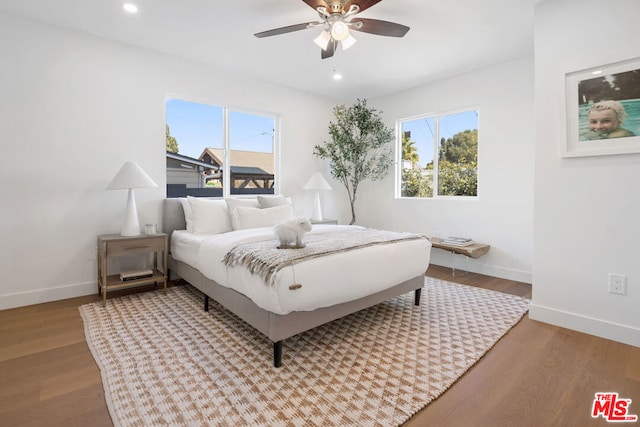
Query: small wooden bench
x,y
474,250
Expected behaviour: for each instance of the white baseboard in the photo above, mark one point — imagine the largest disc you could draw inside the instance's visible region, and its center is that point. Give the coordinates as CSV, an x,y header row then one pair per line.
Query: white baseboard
x,y
464,263
588,325
21,299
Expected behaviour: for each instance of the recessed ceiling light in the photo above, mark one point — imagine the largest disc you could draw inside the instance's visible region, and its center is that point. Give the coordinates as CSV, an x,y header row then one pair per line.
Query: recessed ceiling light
x,y
130,8
597,72
336,75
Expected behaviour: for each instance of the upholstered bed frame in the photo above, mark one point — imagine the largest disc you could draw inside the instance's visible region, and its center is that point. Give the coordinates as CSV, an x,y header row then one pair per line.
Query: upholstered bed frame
x,y
276,327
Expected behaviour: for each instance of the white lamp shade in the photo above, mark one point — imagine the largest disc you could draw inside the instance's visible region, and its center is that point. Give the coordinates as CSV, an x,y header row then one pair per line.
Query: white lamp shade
x,y
317,182
131,175
348,42
323,40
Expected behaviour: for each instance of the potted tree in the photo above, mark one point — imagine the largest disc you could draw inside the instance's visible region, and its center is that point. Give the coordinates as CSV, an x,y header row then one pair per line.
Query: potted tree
x,y
358,149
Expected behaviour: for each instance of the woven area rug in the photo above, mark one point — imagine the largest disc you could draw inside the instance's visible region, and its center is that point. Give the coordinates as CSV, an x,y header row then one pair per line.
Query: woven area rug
x,y
164,361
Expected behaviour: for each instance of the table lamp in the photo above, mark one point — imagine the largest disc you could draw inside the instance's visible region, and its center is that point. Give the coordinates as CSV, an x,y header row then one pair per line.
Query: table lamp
x,y
129,177
317,183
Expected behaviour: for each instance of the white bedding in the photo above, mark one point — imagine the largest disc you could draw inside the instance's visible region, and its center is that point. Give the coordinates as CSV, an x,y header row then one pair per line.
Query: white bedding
x,y
325,281
185,246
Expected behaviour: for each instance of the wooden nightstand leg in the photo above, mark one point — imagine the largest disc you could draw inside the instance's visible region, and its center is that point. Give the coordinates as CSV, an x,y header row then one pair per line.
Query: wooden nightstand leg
x,y
165,264
102,275
165,284
100,269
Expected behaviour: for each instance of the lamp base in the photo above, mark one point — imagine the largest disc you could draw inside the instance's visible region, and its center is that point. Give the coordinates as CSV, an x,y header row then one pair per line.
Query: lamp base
x,y
131,224
316,215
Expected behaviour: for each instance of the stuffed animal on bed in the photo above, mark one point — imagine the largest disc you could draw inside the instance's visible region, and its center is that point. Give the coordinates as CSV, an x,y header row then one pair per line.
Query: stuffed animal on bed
x,y
290,232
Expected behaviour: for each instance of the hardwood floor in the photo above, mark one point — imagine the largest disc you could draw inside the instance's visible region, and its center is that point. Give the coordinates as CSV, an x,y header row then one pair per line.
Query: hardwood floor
x,y
537,375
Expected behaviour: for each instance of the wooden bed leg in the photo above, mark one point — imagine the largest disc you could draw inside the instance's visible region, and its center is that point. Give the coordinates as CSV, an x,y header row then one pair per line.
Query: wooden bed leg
x,y
206,303
417,296
277,354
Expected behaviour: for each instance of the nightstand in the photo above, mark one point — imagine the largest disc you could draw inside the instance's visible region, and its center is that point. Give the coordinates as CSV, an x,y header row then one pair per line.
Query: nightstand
x,y
324,221
474,250
114,245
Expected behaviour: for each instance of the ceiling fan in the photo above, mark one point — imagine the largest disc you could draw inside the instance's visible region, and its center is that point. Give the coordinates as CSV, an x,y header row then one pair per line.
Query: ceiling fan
x,y
338,18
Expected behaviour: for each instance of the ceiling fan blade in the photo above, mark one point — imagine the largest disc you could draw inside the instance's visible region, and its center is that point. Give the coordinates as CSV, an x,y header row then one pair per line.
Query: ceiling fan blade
x,y
331,49
284,30
381,28
364,4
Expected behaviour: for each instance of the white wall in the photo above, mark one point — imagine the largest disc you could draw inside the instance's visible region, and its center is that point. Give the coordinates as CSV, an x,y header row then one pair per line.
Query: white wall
x,y
74,108
502,215
586,209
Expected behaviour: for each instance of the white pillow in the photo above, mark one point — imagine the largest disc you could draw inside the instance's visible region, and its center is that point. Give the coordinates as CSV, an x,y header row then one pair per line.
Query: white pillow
x,y
209,216
232,204
273,201
188,215
243,217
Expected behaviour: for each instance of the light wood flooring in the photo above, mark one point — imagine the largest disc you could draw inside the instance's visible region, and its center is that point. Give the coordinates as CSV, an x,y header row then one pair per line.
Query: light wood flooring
x,y
537,375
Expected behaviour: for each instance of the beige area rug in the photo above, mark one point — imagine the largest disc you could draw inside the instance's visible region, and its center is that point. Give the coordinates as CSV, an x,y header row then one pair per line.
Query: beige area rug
x,y
164,361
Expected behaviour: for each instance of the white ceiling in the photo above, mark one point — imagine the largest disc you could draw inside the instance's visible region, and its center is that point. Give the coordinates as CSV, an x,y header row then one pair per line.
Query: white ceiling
x,y
447,37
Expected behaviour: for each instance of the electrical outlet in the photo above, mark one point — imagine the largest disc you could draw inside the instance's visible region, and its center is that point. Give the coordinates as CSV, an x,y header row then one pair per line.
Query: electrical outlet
x,y
617,283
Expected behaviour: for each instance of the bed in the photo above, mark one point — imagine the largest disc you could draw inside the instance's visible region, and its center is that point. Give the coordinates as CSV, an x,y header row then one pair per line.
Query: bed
x,y
299,297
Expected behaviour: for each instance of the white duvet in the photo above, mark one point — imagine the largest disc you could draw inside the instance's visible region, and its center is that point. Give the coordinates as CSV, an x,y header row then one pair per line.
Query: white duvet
x,y
324,281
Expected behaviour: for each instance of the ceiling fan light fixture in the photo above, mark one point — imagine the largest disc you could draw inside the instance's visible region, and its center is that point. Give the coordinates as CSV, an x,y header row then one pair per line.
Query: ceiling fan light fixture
x,y
336,19
339,30
323,40
348,42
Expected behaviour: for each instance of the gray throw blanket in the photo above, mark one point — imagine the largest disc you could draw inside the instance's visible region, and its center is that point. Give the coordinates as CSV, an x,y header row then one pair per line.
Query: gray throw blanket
x,y
264,259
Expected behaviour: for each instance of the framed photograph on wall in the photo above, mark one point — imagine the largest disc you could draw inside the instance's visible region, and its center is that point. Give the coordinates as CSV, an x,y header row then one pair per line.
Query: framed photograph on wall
x,y
603,110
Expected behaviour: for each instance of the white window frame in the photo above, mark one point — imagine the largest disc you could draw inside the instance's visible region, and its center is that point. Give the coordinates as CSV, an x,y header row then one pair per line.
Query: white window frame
x,y
226,113
436,154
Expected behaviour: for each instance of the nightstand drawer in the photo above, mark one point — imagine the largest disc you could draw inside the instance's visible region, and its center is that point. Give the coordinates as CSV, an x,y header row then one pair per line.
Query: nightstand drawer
x,y
133,247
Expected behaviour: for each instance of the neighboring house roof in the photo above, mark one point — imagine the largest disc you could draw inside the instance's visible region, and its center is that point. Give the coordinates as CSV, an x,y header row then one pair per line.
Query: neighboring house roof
x,y
243,161
244,170
190,160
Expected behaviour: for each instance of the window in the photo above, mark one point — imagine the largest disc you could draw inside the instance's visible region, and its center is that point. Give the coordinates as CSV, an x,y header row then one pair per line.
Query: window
x,y
439,155
216,151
